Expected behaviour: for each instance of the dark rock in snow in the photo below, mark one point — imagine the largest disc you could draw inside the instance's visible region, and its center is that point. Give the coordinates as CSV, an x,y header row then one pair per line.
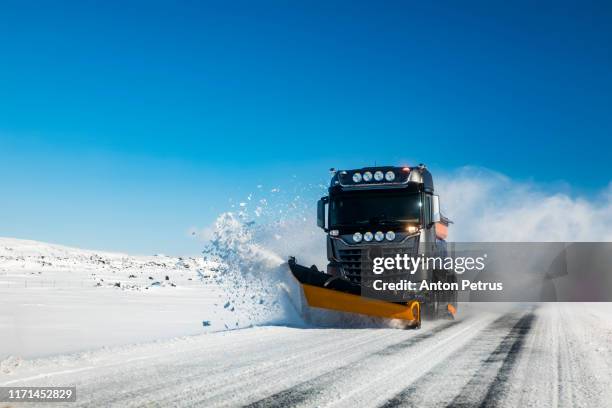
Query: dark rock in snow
x,y
205,323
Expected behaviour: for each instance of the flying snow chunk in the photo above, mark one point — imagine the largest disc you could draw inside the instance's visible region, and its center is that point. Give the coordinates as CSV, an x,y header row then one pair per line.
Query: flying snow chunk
x,y
247,273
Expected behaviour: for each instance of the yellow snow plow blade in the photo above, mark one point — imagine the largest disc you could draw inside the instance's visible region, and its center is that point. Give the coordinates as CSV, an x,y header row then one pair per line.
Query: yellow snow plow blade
x,y
324,291
345,302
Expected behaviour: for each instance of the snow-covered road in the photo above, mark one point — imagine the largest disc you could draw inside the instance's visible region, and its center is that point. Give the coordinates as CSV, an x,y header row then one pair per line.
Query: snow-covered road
x,y
543,355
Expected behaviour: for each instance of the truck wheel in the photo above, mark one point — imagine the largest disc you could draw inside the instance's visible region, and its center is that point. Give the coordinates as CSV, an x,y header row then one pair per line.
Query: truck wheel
x,y
431,307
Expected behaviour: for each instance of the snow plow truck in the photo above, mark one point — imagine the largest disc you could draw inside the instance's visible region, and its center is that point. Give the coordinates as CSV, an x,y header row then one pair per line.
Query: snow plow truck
x,y
379,212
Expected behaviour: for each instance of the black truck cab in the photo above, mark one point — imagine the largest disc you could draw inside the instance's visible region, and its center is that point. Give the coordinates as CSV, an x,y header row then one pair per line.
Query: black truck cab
x,y
381,212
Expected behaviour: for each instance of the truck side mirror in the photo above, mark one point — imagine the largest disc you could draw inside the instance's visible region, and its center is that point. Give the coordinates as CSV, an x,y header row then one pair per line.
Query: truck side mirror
x,y
321,212
435,209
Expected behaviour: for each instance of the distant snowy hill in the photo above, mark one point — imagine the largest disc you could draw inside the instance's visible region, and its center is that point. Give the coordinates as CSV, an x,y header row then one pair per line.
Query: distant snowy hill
x,y
99,268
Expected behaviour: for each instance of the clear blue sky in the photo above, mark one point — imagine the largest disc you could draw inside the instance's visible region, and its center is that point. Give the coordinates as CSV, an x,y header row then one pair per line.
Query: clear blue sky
x,y
122,124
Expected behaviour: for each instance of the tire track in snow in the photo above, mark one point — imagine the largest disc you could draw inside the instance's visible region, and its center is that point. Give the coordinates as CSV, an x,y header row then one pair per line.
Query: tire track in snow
x,y
425,390
308,389
575,368
222,379
564,368
561,364
274,368
490,377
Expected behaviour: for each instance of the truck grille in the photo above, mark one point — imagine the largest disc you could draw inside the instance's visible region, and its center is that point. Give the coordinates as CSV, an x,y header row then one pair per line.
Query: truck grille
x,y
351,261
397,250
356,260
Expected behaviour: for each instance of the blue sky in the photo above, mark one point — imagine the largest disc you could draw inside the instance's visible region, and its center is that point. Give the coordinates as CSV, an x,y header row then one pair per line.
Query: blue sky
x,y
122,124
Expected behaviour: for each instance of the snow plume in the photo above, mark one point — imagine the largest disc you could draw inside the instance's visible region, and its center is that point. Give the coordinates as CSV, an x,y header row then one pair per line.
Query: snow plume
x,y
489,207
255,282
251,245
252,280
276,220
232,243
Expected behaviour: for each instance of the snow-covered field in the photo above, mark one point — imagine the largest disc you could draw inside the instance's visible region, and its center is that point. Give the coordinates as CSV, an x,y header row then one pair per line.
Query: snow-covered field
x,y
55,299
134,331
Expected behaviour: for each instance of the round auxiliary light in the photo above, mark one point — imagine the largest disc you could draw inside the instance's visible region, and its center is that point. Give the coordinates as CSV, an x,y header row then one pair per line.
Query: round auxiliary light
x,y
357,177
357,237
390,235
379,236
368,236
378,176
367,176
389,176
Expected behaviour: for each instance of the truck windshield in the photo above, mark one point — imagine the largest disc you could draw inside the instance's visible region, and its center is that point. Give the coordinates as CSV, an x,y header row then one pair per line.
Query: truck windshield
x,y
381,207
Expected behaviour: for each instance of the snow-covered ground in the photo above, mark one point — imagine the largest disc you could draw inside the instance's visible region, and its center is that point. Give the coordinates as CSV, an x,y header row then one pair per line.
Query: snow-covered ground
x,y
79,300
55,299
141,330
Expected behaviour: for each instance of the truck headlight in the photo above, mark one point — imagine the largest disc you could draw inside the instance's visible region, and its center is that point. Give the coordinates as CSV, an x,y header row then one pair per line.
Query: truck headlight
x,y
368,236
379,236
390,176
412,229
357,237
357,177
367,176
390,235
378,176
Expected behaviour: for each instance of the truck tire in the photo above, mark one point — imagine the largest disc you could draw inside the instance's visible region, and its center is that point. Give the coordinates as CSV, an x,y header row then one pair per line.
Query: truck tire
x,y
436,306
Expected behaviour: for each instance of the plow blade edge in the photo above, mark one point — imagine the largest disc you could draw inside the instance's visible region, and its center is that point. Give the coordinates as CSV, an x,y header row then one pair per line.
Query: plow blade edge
x,y
327,292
